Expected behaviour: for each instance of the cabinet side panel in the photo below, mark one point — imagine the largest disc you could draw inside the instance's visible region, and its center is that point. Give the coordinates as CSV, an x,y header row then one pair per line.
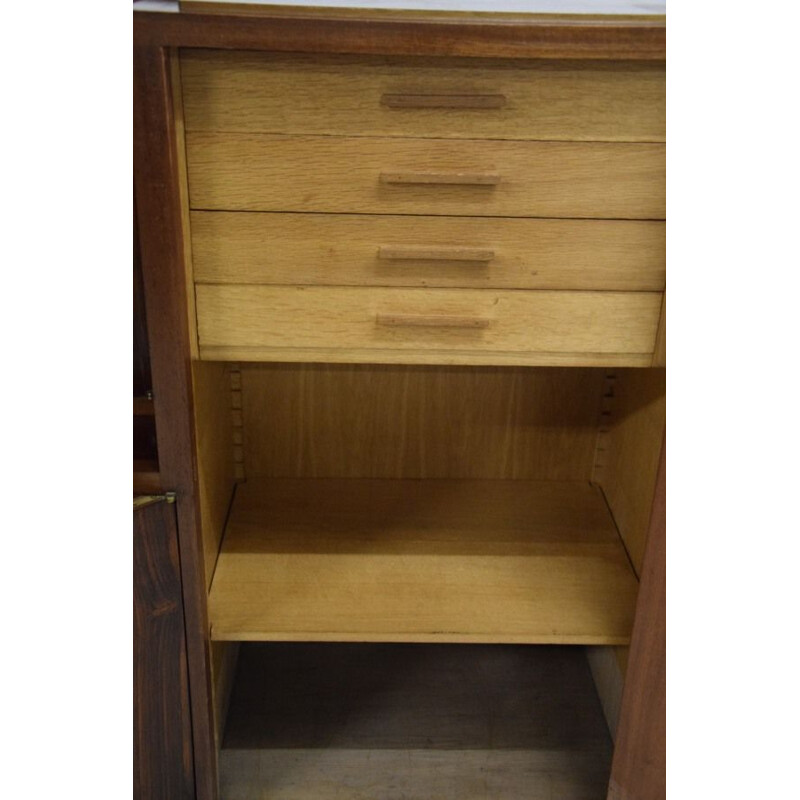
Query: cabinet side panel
x,y
626,464
214,425
216,483
628,448
224,662
639,768
354,421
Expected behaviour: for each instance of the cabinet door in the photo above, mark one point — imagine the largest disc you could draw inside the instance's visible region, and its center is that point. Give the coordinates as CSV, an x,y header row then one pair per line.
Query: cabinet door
x,y
163,766
639,768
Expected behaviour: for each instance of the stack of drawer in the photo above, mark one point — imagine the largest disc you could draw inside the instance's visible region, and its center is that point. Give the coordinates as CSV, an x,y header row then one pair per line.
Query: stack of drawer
x,y
425,210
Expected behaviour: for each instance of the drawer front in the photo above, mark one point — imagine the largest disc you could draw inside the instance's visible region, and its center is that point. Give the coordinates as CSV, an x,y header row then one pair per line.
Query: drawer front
x,y
373,250
251,172
419,326
352,96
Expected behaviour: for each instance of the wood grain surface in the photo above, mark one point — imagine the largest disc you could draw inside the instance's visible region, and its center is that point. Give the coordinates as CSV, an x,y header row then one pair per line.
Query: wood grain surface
x,y
631,446
212,412
376,250
161,237
350,96
455,35
435,561
367,421
163,758
522,324
639,770
255,172
660,353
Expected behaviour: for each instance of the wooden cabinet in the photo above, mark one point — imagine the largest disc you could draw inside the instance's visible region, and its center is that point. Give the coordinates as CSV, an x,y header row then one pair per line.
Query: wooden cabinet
x,y
406,299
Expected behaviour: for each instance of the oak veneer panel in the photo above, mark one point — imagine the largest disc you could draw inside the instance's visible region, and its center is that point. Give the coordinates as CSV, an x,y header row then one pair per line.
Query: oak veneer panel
x,y
660,354
252,92
344,249
441,357
211,382
289,320
444,561
367,421
212,411
639,770
183,190
631,448
260,172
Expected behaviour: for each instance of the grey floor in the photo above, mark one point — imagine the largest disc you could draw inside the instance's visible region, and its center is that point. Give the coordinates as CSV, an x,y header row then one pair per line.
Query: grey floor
x,y
414,722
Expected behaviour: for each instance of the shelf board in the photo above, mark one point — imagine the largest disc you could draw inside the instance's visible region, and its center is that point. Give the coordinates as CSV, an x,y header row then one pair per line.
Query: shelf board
x,y
422,561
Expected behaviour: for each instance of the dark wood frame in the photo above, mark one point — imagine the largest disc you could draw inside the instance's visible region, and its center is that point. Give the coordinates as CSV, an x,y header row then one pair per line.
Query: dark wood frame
x,y
161,241
162,748
161,247
481,36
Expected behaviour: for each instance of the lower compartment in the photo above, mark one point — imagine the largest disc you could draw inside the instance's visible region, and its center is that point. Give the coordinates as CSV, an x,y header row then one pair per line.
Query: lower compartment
x,y
428,722
375,560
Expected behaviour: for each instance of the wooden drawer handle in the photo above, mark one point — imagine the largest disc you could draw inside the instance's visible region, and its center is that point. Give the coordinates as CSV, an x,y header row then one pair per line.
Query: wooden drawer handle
x,y
430,321
443,100
471,178
434,253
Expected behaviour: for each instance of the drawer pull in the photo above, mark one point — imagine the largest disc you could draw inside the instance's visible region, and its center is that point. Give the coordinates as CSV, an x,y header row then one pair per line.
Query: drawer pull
x,y
443,100
434,253
430,321
436,177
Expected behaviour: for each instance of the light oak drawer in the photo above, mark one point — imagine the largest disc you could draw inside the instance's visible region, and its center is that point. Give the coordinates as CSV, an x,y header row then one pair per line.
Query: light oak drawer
x,y
451,98
426,326
259,172
354,250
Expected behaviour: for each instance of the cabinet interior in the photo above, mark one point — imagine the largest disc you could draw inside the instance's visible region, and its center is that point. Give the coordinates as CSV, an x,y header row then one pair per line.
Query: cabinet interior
x,y
423,504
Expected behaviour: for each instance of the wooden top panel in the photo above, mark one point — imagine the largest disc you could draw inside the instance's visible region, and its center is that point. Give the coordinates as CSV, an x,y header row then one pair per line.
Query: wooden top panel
x,y
376,560
560,7
411,33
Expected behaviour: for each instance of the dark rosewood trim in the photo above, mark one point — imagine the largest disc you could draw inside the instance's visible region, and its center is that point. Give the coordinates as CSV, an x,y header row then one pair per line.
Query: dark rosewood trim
x,y
495,38
162,741
160,239
639,768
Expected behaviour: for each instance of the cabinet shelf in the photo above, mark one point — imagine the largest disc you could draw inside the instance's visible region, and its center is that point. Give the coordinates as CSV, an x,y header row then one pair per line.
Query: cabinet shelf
x,y
374,560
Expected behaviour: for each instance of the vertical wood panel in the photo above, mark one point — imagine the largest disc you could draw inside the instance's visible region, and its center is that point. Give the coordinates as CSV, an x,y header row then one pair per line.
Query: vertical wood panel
x,y
162,736
162,251
214,425
628,461
225,659
354,421
660,352
639,768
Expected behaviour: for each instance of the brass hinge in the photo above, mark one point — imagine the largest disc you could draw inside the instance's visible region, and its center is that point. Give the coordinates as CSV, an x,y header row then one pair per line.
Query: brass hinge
x,y
148,499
